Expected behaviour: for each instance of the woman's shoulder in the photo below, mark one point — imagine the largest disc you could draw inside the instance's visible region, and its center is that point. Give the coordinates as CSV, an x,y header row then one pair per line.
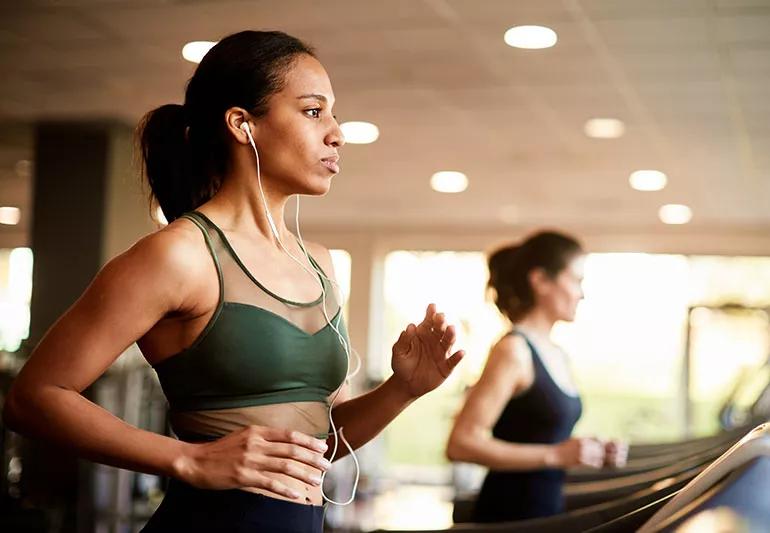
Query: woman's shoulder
x,y
175,243
176,251
163,270
512,349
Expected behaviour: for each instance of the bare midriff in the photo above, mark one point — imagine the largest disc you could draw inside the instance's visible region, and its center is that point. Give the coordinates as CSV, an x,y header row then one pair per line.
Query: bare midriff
x,y
310,418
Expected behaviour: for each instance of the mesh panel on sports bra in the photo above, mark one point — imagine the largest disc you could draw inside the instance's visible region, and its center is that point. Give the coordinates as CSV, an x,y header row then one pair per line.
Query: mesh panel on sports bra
x,y
244,287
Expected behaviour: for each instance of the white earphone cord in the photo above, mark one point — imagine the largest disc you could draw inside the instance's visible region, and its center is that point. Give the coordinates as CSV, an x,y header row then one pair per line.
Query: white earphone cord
x,y
318,275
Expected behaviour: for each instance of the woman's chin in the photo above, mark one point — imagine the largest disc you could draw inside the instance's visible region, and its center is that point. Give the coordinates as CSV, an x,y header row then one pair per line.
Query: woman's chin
x,y
315,189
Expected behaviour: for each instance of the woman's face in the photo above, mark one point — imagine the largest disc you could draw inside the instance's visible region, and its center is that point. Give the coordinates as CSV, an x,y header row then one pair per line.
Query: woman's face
x,y
298,138
559,296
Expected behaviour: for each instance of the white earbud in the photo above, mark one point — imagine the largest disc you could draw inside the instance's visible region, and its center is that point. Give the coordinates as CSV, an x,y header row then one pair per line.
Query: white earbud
x,y
245,127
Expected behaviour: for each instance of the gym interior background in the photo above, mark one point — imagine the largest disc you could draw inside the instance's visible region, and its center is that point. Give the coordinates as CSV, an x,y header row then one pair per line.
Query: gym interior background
x,y
671,343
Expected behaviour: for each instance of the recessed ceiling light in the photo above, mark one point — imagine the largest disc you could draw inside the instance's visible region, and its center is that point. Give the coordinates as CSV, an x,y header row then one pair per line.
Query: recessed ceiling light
x,y
357,132
10,216
675,214
648,180
449,181
195,50
604,128
530,37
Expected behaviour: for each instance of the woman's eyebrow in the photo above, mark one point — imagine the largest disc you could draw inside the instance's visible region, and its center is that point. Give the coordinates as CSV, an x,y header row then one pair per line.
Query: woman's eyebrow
x,y
319,97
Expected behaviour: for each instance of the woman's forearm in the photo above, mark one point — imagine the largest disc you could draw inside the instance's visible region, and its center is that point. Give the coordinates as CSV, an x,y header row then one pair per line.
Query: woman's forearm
x,y
66,418
498,454
362,418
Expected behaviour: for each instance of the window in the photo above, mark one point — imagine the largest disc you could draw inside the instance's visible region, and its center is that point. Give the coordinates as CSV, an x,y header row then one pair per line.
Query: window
x,y
455,282
15,292
626,344
342,265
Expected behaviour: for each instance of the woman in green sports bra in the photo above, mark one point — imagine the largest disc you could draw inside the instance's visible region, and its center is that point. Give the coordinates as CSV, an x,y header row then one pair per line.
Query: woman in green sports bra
x,y
240,320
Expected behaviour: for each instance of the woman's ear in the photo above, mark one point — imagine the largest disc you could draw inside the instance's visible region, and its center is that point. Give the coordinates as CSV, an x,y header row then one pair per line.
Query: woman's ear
x,y
238,121
538,280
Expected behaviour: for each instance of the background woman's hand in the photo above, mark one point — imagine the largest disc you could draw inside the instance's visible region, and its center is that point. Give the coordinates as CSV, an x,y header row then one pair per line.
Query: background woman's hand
x,y
580,452
615,453
244,457
421,356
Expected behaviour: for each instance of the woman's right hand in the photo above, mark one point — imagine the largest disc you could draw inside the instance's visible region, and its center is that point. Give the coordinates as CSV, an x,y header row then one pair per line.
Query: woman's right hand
x,y
244,457
615,453
579,452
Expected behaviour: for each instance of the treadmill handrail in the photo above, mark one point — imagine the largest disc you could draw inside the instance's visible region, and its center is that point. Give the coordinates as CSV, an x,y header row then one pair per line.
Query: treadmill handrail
x,y
755,444
649,476
646,450
646,464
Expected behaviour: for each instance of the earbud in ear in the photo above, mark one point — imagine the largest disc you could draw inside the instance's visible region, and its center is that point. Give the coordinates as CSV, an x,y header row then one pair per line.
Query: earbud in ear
x,y
245,127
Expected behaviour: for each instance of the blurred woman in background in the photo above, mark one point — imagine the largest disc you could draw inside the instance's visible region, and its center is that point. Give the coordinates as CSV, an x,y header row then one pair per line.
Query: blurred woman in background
x,y
518,419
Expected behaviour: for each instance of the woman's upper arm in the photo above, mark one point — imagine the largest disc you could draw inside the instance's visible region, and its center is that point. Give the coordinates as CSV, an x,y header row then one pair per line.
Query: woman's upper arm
x,y
505,374
125,299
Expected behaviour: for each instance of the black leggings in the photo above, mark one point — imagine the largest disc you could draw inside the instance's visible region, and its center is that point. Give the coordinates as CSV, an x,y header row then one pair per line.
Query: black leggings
x,y
185,508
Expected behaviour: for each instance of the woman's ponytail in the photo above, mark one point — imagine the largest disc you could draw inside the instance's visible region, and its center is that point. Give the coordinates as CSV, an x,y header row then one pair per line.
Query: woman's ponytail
x,y
167,159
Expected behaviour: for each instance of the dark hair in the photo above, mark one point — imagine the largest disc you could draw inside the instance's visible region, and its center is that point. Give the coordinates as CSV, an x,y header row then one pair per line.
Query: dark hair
x,y
184,147
509,269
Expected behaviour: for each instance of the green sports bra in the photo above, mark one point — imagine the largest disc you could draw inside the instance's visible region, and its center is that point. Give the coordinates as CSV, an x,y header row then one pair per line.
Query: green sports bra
x,y
257,348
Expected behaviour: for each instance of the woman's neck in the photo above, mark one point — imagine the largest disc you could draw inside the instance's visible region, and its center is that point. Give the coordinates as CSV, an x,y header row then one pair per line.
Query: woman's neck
x,y
538,323
241,208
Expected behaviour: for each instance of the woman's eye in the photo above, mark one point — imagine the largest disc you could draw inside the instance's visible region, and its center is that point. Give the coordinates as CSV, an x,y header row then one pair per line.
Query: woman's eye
x,y
313,113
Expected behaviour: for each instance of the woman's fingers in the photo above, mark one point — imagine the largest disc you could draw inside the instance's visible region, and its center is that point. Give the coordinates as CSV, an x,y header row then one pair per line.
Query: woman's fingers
x,y
288,436
298,454
446,366
429,312
402,344
439,325
454,359
288,467
280,451
252,478
248,458
433,325
448,337
445,342
616,453
424,328
592,452
433,332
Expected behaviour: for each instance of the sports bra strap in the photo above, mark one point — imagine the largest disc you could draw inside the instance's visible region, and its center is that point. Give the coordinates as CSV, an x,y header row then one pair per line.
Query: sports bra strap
x,y
220,276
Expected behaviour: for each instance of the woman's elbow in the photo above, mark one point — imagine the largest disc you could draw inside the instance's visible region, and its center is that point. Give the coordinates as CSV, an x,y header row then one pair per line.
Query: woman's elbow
x,y
19,406
451,452
456,450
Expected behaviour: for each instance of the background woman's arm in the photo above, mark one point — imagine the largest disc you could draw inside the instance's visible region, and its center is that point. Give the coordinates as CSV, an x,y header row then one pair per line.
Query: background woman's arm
x,y
509,371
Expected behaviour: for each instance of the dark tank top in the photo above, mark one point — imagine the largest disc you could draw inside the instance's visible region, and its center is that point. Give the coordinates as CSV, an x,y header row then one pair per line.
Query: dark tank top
x,y
543,414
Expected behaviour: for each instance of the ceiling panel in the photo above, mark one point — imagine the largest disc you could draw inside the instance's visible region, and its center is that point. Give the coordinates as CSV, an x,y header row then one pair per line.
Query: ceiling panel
x,y
689,77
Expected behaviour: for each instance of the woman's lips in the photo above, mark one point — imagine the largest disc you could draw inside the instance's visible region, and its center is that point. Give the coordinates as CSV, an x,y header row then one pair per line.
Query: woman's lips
x,y
331,163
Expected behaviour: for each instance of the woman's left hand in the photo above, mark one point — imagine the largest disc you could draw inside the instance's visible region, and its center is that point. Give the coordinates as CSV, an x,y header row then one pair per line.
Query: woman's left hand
x,y
421,360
